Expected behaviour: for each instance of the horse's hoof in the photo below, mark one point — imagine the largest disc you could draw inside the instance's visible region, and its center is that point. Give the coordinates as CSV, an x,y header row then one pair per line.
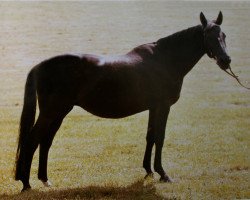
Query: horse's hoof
x,y
149,175
166,179
47,183
26,188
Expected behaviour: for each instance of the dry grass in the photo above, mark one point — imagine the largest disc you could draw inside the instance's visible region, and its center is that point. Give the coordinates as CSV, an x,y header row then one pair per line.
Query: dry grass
x,y
207,142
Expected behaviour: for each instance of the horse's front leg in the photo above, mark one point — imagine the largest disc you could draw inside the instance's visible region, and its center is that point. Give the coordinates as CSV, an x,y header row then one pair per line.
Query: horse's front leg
x,y
150,143
161,116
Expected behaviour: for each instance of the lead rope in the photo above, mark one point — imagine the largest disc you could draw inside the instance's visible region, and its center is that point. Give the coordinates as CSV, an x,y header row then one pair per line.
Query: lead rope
x,y
236,77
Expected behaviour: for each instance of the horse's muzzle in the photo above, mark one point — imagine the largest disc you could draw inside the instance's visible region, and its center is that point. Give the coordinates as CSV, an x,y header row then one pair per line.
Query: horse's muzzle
x,y
223,62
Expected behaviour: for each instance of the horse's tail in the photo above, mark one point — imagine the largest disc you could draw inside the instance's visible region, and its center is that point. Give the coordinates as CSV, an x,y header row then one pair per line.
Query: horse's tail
x,y
27,119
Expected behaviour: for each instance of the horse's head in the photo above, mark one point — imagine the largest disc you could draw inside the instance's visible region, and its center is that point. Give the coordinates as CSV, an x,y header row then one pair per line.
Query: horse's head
x,y
214,41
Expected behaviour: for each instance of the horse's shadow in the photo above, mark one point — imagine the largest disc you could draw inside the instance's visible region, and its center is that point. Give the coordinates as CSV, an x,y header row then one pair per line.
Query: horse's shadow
x,y
137,190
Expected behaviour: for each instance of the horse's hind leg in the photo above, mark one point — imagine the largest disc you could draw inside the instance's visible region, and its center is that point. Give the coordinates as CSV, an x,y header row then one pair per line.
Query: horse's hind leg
x,y
30,146
45,145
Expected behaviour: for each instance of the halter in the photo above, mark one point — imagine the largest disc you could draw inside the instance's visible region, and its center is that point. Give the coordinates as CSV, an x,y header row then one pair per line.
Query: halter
x,y
207,50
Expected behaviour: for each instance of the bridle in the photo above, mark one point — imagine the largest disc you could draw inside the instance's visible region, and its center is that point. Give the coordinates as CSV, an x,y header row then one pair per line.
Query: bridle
x,y
207,50
210,54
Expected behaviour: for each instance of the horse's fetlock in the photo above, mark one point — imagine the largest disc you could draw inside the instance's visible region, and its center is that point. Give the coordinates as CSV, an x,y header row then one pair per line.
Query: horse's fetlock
x,y
159,170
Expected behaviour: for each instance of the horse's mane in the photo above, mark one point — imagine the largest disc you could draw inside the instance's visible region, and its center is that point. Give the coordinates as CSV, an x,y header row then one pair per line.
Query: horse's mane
x,y
179,36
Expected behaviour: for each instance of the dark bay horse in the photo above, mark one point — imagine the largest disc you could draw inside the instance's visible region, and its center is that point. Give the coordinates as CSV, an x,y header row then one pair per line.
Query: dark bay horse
x,y
149,77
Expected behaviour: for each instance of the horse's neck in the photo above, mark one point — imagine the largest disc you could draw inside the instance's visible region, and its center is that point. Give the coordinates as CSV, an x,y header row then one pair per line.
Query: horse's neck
x,y
182,50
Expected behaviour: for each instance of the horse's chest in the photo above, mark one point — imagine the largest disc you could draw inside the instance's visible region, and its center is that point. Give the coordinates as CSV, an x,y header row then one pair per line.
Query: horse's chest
x,y
172,93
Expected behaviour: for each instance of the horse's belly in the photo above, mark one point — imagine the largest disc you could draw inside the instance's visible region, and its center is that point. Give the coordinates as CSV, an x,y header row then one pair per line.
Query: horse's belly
x,y
114,104
111,108
111,112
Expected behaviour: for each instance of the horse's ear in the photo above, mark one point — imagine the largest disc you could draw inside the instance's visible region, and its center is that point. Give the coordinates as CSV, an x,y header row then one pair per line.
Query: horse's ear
x,y
219,19
203,20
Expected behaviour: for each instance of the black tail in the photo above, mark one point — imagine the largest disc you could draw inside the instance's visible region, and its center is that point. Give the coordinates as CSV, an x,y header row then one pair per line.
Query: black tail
x,y
27,119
